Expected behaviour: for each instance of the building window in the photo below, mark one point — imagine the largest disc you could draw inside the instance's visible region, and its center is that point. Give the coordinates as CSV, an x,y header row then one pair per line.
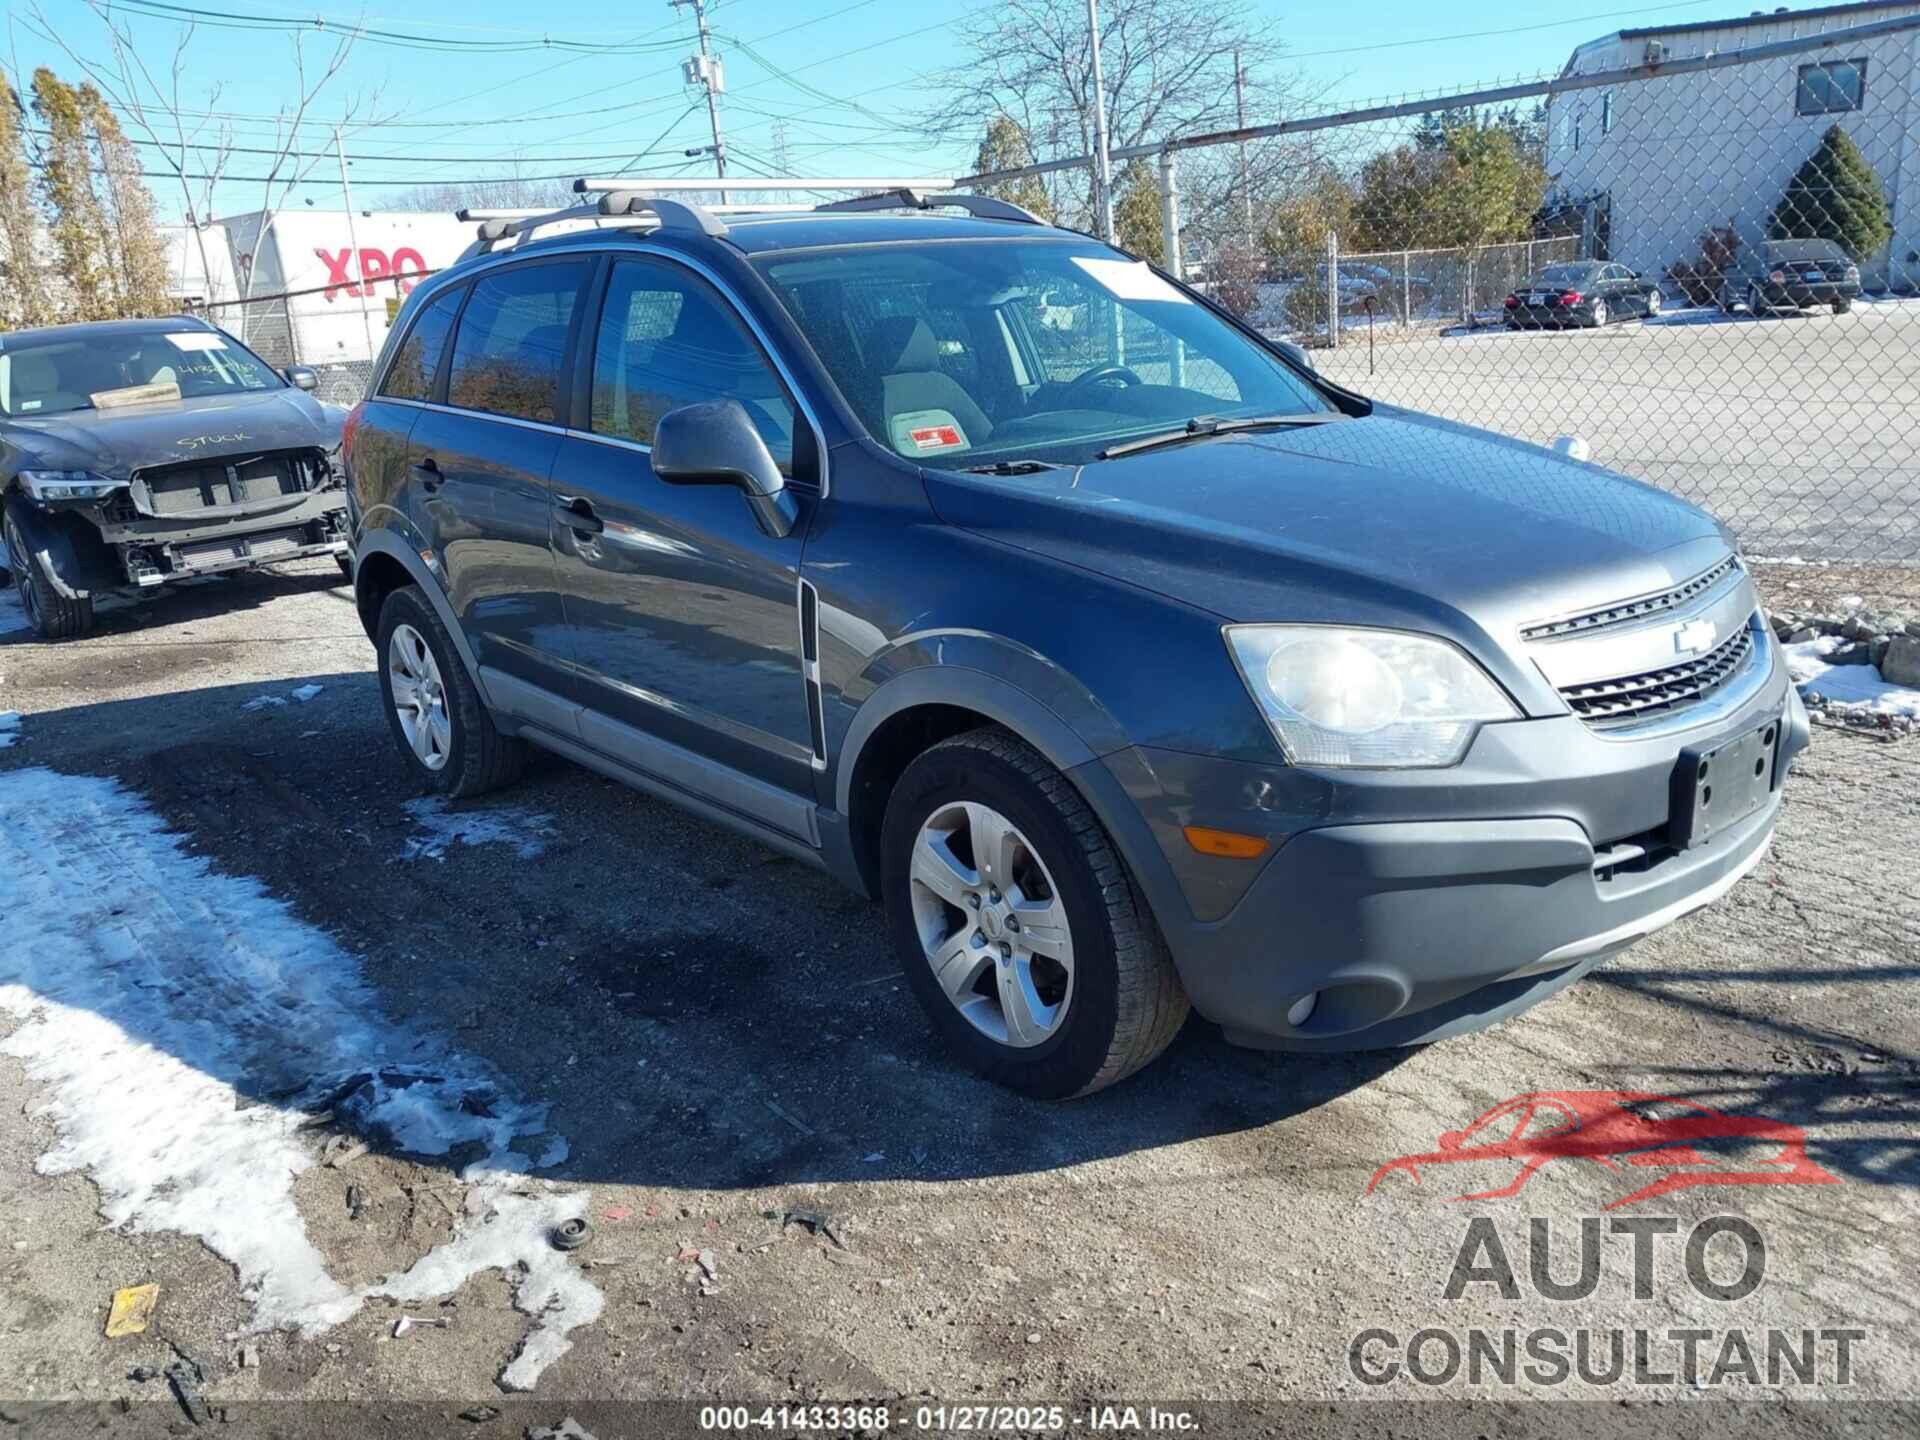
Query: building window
x,y
1831,87
1606,112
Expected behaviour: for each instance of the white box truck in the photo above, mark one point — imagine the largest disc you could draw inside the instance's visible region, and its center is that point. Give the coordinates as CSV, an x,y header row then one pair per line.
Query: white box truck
x,y
320,287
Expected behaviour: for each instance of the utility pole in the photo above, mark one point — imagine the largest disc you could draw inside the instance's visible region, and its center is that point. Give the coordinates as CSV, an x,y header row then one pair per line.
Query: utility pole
x,y
1240,121
1103,172
353,239
705,69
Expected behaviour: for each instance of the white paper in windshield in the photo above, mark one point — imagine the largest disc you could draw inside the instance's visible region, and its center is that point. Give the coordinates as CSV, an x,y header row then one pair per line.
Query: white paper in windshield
x,y
1129,280
192,340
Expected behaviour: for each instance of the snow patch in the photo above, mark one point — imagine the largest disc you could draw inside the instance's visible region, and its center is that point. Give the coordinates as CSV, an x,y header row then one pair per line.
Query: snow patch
x,y
185,1025
440,826
12,616
263,702
304,693
9,728
1858,689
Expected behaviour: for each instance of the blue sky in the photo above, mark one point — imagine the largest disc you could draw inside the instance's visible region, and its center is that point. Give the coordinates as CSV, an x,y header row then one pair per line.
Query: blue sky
x,y
460,116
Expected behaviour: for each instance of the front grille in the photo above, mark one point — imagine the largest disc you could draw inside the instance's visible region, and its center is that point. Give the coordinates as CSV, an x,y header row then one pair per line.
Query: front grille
x,y
1630,699
1627,611
228,481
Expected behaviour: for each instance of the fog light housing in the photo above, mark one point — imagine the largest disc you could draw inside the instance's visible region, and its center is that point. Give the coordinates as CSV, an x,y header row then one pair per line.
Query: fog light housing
x,y
1301,1010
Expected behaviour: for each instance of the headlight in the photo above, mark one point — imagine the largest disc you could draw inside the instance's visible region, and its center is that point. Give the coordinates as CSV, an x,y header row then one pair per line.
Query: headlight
x,y
67,484
1380,698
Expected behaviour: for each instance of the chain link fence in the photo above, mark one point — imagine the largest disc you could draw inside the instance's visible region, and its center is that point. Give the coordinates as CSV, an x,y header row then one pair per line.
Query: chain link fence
x,y
338,341
1696,249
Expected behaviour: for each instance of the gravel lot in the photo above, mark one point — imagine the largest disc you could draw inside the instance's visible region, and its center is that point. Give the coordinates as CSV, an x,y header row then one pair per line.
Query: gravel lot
x,y
1801,431
719,1035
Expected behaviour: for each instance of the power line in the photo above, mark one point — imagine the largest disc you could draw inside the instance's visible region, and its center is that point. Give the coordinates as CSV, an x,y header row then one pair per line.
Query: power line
x,y
408,159
234,20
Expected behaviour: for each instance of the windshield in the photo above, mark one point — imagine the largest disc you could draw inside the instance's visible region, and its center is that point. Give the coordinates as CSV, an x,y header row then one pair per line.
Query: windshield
x,y
967,353
81,372
1566,275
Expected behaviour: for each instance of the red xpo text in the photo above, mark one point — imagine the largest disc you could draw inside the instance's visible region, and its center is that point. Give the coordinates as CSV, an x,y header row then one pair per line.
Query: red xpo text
x,y
374,265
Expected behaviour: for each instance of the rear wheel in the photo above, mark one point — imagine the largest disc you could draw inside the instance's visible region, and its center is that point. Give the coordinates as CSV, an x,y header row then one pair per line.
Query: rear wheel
x,y
1017,924
1653,303
442,728
53,616
1842,305
1599,313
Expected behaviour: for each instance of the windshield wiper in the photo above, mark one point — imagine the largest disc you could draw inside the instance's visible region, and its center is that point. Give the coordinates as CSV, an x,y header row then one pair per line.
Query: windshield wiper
x,y
1202,426
1014,467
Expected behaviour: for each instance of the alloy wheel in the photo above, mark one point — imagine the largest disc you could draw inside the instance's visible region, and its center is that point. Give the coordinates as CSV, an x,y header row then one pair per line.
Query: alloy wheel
x,y
419,697
992,924
1599,313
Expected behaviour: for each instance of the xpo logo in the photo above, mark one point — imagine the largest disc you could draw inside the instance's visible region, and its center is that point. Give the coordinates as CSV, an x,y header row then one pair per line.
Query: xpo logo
x,y
406,266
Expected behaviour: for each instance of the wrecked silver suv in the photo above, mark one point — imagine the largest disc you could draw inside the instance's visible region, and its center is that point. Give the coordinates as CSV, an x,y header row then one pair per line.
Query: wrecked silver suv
x,y
134,453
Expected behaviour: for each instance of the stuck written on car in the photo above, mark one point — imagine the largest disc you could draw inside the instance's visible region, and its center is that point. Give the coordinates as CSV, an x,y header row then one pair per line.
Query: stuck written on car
x,y
1129,662
134,453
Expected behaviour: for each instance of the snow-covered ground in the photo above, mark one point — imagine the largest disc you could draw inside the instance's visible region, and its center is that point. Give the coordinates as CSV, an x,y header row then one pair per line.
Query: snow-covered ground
x,y
12,617
1860,689
440,826
187,1030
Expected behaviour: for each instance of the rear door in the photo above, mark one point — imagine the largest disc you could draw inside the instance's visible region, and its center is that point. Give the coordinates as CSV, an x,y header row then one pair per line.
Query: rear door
x,y
481,461
380,450
682,613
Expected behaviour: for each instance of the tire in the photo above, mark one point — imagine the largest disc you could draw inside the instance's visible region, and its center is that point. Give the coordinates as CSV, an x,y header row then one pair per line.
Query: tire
x,y
1121,1004
1756,306
1842,305
1653,305
53,616
472,755
1599,314
1727,303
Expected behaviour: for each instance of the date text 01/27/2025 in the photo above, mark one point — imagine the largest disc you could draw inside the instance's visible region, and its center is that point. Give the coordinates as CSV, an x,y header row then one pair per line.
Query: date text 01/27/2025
x,y
982,1419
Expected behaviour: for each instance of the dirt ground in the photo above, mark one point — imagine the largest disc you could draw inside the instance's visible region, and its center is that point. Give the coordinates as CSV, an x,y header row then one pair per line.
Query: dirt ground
x,y
721,1037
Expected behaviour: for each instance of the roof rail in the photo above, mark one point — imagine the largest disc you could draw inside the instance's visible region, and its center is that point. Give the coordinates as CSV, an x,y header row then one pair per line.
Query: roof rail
x,y
498,226
919,193
986,207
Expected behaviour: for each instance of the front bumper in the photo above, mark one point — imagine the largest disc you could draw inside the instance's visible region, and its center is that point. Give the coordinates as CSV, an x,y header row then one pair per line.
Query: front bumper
x,y
1416,905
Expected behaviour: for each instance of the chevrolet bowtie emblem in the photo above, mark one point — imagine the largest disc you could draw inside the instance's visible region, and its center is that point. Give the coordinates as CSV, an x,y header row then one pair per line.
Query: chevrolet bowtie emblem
x,y
1696,637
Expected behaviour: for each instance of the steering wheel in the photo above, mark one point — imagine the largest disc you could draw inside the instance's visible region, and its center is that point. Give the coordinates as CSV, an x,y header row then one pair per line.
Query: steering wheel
x,y
1101,375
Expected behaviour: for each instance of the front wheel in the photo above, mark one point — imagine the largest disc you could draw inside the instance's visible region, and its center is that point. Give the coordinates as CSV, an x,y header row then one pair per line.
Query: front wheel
x,y
441,725
1017,924
53,616
1599,313
1842,305
1653,304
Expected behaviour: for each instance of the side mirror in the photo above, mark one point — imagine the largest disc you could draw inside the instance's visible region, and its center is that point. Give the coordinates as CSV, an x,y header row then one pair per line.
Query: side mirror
x,y
713,442
302,377
1298,355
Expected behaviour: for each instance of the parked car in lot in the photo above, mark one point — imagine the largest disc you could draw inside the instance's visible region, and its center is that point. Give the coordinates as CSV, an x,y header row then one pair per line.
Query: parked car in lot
x,y
1791,275
1588,293
1125,683
135,453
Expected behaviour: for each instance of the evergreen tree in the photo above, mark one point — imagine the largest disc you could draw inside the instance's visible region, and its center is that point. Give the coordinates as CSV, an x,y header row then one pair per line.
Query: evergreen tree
x,y
1005,147
66,180
1136,212
1835,196
24,300
137,258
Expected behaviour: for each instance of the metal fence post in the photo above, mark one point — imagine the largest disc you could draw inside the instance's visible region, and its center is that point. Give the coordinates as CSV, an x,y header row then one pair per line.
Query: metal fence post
x,y
1170,214
1333,289
1406,289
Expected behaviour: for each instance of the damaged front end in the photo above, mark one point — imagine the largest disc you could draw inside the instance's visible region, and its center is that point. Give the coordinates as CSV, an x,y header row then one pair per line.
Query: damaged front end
x,y
182,518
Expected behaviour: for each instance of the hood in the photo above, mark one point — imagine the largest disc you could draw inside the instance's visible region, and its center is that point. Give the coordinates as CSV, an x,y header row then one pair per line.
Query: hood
x,y
115,443
1394,519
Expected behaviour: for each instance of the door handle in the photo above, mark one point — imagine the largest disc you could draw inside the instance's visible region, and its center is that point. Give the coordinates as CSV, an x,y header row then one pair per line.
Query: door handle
x,y
576,513
427,472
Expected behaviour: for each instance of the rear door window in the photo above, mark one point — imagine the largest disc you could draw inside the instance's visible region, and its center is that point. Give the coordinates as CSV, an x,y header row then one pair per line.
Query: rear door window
x,y
417,361
511,345
667,339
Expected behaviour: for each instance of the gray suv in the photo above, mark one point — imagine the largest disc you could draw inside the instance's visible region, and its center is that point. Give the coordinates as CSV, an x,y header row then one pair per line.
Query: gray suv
x,y
1129,663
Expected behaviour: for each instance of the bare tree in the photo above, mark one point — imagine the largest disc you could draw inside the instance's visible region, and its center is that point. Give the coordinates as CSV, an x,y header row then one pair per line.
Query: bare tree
x,y
528,193
1168,67
24,301
195,150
